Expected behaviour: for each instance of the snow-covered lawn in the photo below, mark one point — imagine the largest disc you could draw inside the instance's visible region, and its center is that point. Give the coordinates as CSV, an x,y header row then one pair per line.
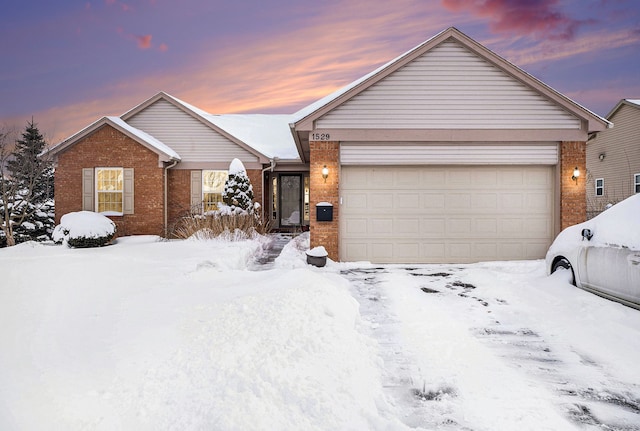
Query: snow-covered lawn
x,y
152,335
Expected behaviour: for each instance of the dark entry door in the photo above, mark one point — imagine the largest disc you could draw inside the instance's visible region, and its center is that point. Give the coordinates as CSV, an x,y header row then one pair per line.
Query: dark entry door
x,y
290,200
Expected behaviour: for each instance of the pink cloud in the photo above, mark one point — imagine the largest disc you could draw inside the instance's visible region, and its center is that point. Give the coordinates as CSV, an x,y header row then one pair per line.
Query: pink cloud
x,y
163,47
144,42
124,6
534,17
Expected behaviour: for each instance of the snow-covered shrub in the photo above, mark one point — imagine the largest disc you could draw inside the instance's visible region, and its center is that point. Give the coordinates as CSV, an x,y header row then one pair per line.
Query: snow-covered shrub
x,y
238,191
84,229
236,218
37,225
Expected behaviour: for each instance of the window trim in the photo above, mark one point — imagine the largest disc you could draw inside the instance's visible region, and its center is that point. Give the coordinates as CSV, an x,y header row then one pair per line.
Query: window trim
x,y
600,187
97,192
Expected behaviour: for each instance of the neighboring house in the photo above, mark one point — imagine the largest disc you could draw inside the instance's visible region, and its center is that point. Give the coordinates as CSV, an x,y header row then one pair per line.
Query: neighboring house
x,y
613,159
448,153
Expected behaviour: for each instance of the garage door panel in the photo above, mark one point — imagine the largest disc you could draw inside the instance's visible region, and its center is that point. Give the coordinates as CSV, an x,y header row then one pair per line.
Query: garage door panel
x,y
486,227
535,249
357,201
433,201
382,251
512,178
406,250
433,178
408,177
407,226
381,201
487,249
383,227
458,201
445,213
485,202
355,227
407,201
459,227
535,201
432,250
432,227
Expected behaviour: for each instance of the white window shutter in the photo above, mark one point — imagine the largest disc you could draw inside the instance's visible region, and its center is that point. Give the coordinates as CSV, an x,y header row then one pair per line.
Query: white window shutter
x,y
196,191
88,188
127,198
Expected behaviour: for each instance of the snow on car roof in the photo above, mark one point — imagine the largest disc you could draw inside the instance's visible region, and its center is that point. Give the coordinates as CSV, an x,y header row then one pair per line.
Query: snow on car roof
x,y
618,225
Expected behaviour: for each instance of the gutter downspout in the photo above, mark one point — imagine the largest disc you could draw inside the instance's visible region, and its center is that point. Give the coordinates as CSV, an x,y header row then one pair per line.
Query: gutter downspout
x,y
272,166
166,168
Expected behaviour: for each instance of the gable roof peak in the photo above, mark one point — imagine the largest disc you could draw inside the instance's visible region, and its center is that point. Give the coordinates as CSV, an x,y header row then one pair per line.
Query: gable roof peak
x,y
634,103
305,117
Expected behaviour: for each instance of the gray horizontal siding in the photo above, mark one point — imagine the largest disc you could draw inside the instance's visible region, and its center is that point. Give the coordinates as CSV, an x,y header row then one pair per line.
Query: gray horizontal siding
x,y
449,87
191,139
621,147
449,154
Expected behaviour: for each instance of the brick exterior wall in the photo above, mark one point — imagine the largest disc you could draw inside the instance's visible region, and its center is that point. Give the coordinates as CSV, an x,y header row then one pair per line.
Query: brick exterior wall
x,y
255,176
573,197
325,233
107,147
178,196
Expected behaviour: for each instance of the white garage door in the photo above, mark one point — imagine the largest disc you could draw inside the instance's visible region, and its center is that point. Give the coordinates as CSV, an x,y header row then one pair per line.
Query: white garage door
x,y
445,214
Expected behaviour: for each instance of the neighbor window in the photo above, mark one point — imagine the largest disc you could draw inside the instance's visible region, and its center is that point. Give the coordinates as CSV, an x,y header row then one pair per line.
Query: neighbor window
x,y
636,183
212,188
600,187
109,190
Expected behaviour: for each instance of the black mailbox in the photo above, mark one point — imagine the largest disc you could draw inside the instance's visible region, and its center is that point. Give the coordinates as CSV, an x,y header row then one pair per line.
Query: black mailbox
x,y
324,211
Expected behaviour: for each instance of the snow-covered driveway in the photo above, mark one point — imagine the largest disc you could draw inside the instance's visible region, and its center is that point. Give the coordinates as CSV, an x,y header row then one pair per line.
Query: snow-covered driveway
x,y
164,335
500,346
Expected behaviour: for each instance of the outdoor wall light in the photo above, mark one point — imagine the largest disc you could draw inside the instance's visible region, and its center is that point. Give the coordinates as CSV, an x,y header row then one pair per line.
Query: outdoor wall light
x,y
325,173
576,174
601,156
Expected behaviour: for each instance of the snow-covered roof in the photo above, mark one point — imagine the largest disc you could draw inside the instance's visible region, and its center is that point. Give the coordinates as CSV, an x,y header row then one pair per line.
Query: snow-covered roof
x,y
269,134
164,151
634,101
144,136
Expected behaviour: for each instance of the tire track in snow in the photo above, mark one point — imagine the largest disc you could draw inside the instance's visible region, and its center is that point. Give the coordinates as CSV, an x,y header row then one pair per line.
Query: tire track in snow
x,y
419,406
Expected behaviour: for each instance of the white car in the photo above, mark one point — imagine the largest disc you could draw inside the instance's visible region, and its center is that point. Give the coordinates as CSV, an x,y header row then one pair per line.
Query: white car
x,y
603,254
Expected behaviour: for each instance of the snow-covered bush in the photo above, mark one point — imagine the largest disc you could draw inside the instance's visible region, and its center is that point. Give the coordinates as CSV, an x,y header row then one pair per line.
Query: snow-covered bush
x,y
238,191
84,229
236,218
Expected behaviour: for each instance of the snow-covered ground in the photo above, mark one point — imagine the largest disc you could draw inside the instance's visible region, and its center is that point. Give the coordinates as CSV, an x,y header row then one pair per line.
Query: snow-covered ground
x,y
151,335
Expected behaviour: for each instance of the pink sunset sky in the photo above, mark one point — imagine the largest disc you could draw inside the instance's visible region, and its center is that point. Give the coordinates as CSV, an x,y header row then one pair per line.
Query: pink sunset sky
x,y
66,64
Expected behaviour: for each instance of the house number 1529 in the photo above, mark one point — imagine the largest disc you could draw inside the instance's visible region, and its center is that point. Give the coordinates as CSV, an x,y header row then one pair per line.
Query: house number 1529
x,y
319,137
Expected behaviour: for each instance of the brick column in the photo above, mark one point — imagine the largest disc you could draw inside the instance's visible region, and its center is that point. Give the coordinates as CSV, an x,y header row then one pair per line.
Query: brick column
x,y
324,233
573,197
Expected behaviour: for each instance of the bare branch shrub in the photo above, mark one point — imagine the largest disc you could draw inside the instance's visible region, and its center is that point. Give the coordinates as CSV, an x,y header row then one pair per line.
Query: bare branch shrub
x,y
230,226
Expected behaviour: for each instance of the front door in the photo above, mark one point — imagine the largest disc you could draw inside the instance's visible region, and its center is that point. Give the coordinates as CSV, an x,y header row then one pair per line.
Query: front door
x,y
290,200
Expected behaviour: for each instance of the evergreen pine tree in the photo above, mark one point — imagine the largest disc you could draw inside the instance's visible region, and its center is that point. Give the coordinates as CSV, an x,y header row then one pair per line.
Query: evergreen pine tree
x,y
28,169
26,195
238,191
